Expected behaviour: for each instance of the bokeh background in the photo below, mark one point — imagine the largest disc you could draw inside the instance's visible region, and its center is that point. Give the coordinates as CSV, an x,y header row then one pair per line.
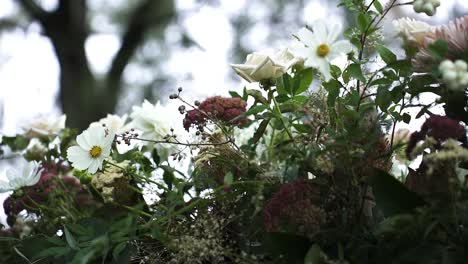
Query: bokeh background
x,y
86,58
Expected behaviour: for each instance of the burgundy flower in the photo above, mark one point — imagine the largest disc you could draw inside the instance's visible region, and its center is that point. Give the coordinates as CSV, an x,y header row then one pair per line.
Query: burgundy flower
x,y
216,108
438,127
295,204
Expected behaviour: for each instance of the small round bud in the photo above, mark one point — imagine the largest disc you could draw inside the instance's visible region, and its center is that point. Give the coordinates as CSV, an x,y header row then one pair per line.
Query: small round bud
x,y
197,103
179,89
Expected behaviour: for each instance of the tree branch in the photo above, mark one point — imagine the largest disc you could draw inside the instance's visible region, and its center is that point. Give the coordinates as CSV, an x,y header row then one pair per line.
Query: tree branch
x,y
147,15
33,9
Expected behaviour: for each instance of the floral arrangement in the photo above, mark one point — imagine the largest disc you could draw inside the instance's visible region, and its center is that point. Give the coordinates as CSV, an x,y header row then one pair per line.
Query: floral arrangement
x,y
304,168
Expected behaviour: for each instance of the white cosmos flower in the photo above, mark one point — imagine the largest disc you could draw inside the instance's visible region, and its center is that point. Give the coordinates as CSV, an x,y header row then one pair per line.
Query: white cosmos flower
x,y
28,176
320,46
94,146
114,123
44,125
260,66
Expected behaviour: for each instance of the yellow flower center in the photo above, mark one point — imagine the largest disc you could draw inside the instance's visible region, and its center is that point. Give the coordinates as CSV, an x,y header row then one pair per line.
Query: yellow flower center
x,y
95,151
323,50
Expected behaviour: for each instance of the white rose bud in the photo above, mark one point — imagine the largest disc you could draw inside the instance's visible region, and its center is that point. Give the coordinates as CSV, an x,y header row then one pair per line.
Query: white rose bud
x,y
259,67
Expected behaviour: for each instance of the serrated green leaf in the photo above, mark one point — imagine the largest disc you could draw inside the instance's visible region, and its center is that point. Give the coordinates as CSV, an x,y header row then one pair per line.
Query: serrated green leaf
x,y
354,70
383,98
305,78
387,55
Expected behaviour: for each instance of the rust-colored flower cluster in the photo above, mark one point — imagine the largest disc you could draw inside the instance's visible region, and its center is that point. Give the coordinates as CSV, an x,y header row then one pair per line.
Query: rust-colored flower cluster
x,y
216,108
295,205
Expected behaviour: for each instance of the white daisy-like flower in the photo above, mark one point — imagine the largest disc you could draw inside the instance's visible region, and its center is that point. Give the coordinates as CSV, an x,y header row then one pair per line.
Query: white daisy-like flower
x,y
29,175
94,146
115,123
320,46
44,125
151,120
261,66
155,122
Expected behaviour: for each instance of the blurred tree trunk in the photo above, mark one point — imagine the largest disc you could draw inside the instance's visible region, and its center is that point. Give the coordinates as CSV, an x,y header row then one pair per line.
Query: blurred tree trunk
x,y
84,97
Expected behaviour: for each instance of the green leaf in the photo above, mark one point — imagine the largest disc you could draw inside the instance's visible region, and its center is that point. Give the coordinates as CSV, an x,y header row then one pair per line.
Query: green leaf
x,y
16,143
438,49
354,70
333,88
386,54
363,21
260,131
391,196
313,255
255,110
284,84
406,118
119,249
168,177
70,239
53,252
257,95
155,156
378,6
384,98
305,78
235,94
228,179
335,71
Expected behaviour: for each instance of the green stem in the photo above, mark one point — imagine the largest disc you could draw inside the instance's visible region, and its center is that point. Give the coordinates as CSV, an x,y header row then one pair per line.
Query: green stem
x,y
280,117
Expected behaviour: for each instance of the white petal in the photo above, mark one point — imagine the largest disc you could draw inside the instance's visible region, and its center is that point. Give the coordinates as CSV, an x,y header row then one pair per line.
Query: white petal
x,y
302,52
82,141
320,30
338,48
324,67
11,174
79,157
306,36
5,187
95,135
333,32
93,167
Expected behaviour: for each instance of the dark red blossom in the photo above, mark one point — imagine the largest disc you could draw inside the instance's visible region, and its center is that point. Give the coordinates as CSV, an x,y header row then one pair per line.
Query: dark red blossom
x,y
216,108
438,127
295,205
